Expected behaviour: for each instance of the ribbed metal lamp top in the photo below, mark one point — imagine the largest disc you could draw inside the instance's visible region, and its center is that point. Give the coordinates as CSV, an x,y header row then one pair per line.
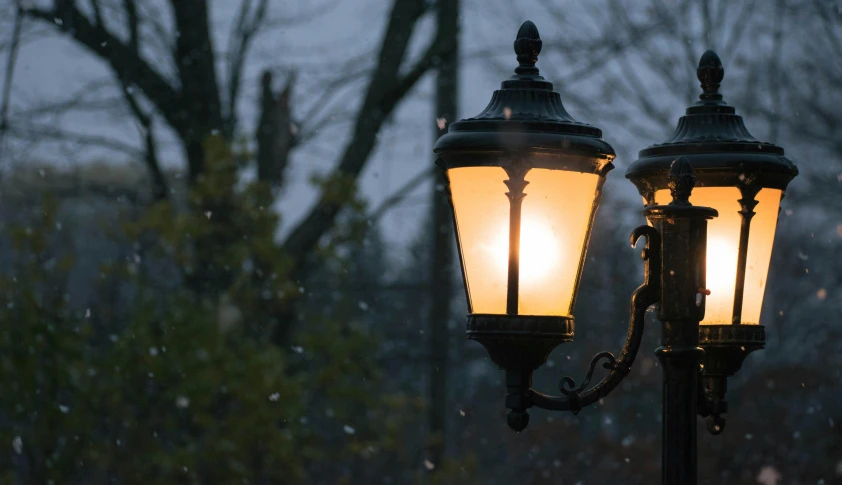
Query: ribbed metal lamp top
x,y
715,139
526,114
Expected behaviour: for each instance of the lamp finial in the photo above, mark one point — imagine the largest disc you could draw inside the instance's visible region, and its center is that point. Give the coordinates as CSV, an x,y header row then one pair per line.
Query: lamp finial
x,y
710,73
681,181
527,47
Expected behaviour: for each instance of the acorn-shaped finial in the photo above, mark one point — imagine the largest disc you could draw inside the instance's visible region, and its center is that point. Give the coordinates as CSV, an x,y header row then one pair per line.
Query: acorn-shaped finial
x,y
681,181
710,74
527,47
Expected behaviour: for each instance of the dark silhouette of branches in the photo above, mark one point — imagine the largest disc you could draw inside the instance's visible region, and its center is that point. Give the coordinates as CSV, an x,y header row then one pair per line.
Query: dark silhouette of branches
x,y
386,88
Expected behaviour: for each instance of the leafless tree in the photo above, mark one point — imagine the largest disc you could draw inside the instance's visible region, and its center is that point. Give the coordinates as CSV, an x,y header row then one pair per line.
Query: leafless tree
x,y
181,89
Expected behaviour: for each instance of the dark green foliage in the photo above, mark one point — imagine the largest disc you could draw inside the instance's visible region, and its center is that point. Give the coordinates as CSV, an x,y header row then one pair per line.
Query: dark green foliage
x,y
181,382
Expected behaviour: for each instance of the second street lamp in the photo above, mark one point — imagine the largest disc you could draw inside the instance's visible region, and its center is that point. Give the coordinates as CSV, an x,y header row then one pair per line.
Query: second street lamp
x,y
524,181
744,179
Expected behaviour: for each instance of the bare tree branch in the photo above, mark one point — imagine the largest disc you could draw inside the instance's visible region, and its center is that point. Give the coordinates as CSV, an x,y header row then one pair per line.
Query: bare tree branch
x,y
132,23
244,30
150,17
160,188
386,89
128,66
399,195
328,92
198,112
7,81
97,12
77,100
276,135
52,133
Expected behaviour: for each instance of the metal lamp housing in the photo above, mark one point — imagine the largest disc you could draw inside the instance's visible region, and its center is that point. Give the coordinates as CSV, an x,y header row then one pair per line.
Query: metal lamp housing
x,y
744,179
524,180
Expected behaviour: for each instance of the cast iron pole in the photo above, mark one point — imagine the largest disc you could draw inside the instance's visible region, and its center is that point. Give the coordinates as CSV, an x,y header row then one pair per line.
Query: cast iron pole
x,y
683,230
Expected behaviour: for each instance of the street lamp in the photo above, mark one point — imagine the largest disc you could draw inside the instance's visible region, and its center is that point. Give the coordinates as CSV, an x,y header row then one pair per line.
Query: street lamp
x,y
744,180
524,182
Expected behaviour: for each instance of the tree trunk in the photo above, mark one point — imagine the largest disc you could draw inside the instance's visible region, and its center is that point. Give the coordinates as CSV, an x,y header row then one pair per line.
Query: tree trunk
x,y
275,136
199,107
441,291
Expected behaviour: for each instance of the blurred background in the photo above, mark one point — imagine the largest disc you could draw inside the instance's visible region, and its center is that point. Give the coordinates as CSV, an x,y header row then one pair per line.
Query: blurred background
x,y
225,256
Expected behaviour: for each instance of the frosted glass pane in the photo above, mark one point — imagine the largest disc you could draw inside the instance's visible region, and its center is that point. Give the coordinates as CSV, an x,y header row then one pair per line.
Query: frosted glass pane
x,y
554,222
482,219
723,245
556,213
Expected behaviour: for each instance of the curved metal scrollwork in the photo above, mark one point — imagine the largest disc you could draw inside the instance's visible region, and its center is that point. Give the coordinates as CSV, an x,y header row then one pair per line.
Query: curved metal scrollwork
x,y
568,382
575,398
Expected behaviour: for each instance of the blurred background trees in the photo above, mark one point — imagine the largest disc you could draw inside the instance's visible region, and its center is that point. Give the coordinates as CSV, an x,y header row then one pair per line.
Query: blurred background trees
x,y
224,256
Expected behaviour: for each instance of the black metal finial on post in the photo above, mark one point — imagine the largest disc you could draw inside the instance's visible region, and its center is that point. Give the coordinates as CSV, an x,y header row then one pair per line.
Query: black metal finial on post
x,y
681,181
527,47
710,73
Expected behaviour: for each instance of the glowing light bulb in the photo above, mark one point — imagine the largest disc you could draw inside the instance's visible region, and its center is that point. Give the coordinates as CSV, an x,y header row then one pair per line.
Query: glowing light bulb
x,y
721,266
539,251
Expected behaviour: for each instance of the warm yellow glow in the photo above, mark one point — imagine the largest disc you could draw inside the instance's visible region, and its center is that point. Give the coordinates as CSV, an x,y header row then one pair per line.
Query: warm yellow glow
x,y
721,266
538,251
554,223
561,202
722,250
760,242
482,215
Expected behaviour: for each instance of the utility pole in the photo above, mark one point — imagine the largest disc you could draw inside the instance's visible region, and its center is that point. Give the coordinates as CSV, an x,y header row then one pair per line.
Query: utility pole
x,y
441,284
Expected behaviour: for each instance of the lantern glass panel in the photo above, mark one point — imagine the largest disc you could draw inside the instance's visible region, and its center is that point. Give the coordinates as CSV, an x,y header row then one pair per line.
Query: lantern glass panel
x,y
481,210
555,217
723,249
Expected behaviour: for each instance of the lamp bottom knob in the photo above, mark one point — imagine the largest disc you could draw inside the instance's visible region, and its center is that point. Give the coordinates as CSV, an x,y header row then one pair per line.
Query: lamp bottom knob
x,y
518,420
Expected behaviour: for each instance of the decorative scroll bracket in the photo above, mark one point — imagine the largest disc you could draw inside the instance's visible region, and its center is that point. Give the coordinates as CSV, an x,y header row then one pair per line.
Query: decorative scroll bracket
x,y
575,398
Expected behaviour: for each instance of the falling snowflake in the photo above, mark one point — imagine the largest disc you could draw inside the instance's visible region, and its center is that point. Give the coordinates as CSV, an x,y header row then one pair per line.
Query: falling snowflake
x,y
208,214
274,396
349,429
182,402
363,306
429,465
769,476
17,445
64,409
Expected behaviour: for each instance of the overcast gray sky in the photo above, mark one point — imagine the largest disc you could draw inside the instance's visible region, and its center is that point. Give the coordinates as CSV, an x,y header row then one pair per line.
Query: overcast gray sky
x,y
50,68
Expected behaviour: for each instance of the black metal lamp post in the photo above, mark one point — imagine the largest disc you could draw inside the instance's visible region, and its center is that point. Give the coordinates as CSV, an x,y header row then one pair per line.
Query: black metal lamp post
x,y
523,249
744,179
